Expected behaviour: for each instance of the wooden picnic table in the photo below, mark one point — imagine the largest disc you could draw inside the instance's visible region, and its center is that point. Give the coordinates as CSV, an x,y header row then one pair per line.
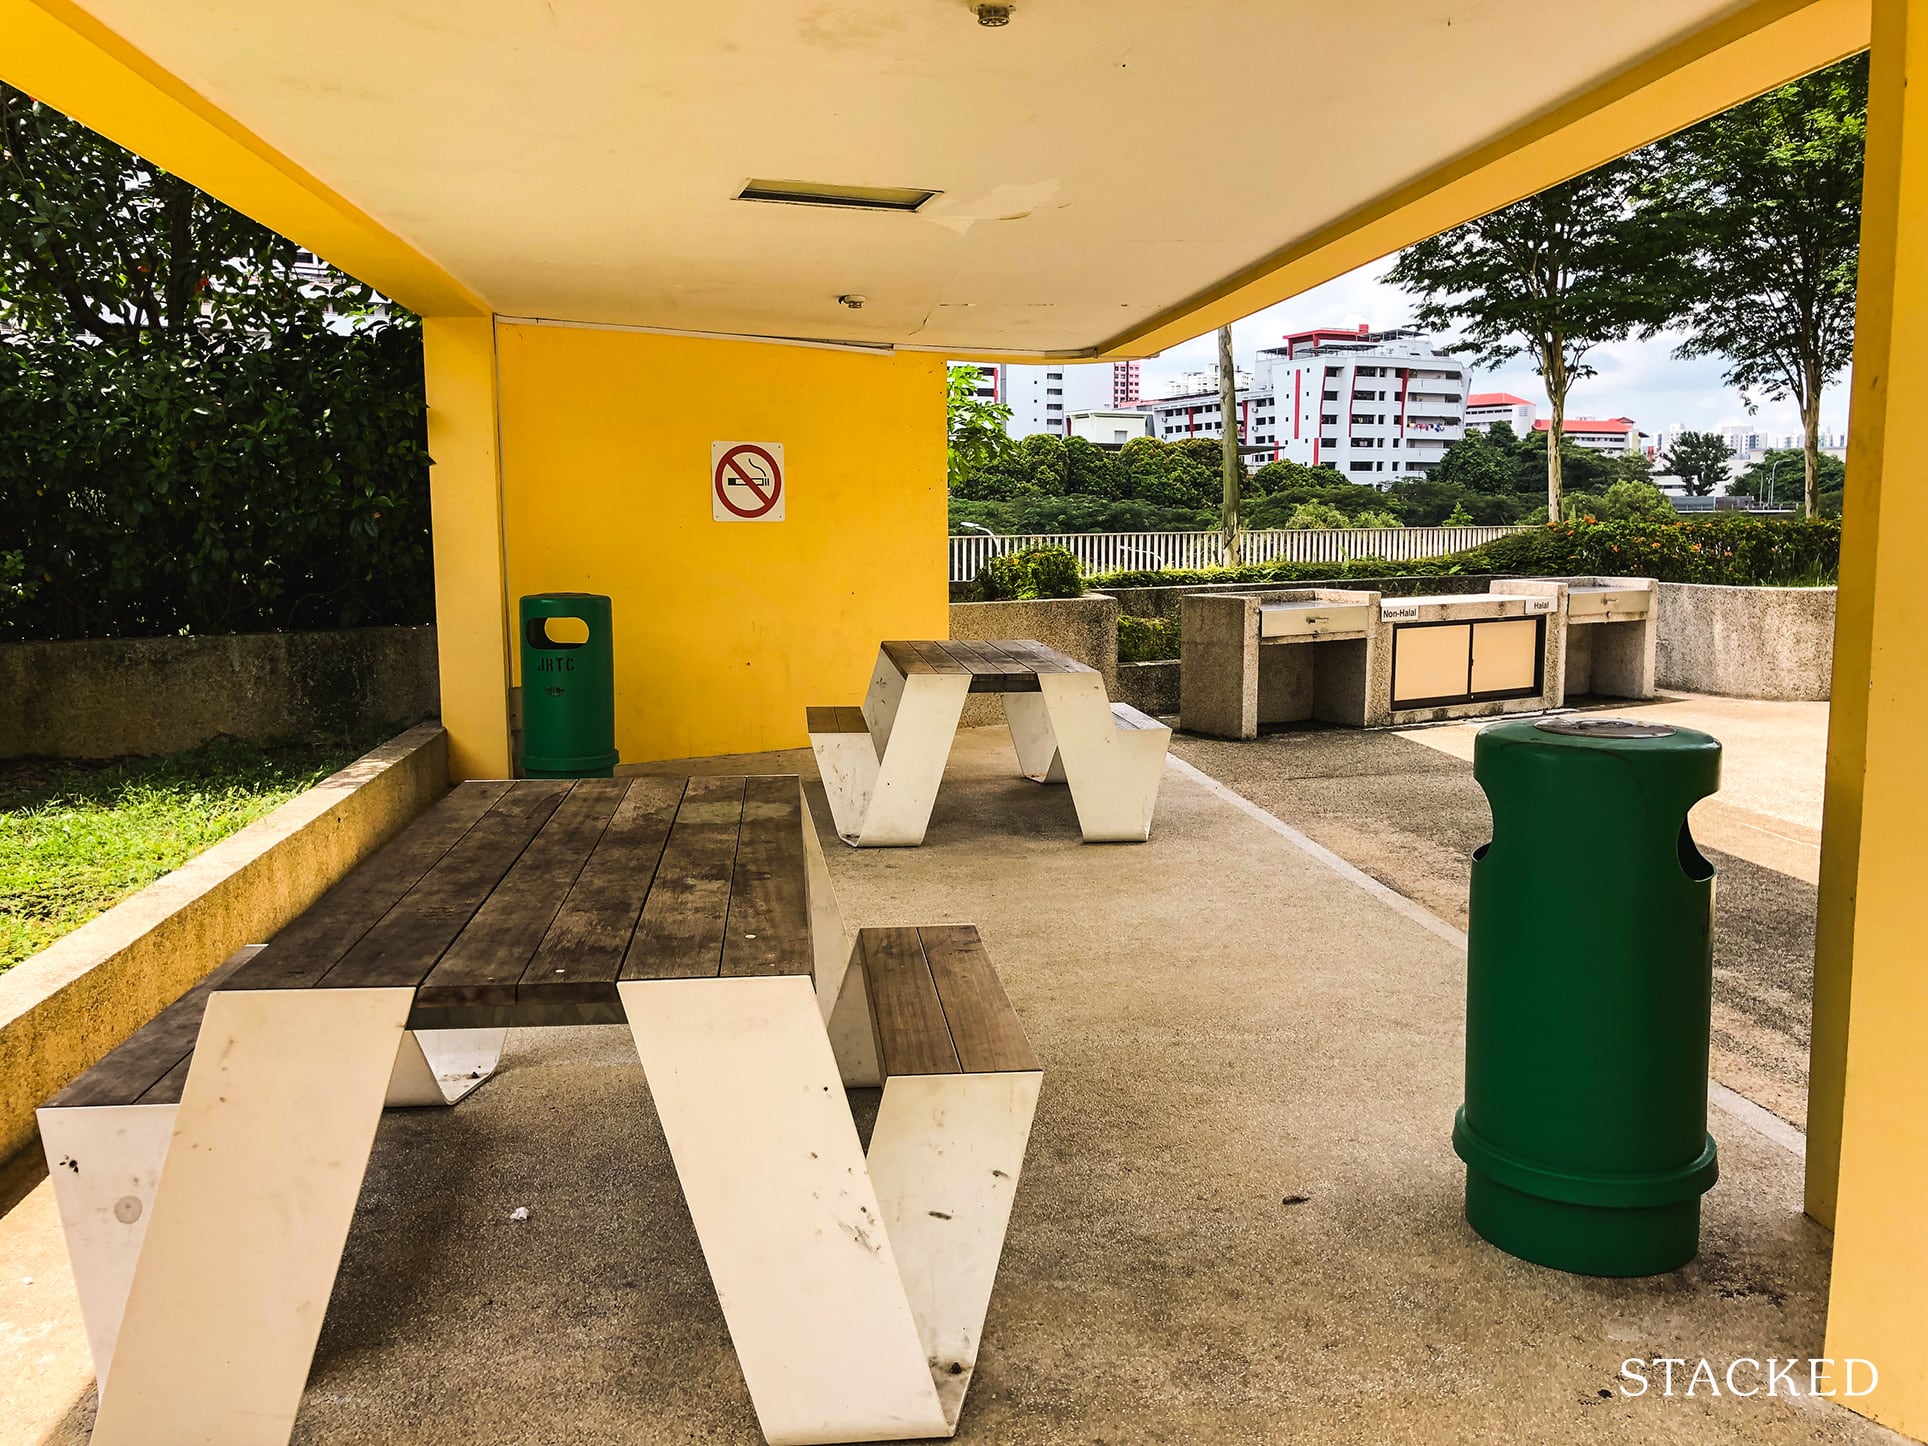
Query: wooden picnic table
x,y
224,1145
882,763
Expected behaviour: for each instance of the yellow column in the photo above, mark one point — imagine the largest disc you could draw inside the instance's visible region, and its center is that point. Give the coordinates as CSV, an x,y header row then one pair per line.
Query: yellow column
x,y
1870,1087
465,490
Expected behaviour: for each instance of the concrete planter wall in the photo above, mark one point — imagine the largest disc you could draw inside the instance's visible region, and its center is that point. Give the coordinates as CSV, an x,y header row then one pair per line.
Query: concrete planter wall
x,y
1149,687
63,1009
1746,642
1085,628
112,698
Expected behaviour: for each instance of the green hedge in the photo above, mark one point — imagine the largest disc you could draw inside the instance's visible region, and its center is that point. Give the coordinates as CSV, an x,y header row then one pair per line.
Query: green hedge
x,y
1033,573
1737,550
156,492
1147,640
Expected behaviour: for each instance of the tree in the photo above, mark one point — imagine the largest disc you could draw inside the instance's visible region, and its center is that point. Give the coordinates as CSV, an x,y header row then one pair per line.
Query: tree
x,y
98,246
1769,479
202,430
1630,501
1478,464
1699,459
1231,472
1550,277
1322,516
975,425
1767,199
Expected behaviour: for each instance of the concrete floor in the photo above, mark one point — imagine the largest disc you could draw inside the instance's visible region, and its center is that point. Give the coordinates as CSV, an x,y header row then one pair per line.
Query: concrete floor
x,y
1239,1220
1404,808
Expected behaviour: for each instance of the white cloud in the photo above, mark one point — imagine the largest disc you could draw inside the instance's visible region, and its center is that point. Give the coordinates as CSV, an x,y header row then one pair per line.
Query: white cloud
x,y
1635,379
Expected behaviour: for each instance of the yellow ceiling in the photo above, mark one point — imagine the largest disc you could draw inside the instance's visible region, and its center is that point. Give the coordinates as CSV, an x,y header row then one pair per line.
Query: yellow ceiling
x,y
1101,162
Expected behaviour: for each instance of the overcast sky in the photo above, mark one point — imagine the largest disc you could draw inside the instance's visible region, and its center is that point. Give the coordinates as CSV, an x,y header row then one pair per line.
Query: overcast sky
x,y
1640,380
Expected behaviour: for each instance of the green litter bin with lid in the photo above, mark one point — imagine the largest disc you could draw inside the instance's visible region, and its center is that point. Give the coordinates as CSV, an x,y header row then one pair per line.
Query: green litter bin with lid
x,y
568,686
1589,975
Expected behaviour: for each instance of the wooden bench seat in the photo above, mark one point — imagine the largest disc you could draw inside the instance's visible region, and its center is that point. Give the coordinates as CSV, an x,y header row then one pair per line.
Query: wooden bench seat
x,y
936,1004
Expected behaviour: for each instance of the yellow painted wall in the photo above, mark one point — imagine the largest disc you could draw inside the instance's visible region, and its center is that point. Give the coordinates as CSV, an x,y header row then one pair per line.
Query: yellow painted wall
x,y
725,632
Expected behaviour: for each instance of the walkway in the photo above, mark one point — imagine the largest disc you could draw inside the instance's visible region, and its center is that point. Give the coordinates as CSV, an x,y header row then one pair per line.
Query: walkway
x,y
1239,1221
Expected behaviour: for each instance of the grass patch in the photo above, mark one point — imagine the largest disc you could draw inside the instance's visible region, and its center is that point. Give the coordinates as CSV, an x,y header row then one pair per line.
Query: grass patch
x,y
77,838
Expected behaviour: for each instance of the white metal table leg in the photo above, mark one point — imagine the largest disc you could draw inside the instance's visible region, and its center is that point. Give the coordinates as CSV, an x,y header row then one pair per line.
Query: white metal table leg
x,y
245,1235
757,1123
1031,736
442,1066
913,726
1114,772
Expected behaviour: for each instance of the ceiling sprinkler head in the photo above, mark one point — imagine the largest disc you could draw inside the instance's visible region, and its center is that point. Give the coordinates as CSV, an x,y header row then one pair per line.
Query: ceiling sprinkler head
x,y
851,300
993,15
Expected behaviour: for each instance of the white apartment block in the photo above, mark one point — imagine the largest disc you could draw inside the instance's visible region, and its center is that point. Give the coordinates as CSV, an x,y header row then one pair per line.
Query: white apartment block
x,y
1485,408
1042,398
1614,435
1110,426
1375,406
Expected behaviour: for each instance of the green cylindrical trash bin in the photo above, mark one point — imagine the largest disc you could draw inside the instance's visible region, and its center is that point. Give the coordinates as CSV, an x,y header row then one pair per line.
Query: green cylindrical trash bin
x,y
1589,971
568,686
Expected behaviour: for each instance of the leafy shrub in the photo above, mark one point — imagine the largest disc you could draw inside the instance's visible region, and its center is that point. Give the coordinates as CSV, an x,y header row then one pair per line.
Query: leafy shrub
x,y
1737,550
151,492
1146,640
1036,572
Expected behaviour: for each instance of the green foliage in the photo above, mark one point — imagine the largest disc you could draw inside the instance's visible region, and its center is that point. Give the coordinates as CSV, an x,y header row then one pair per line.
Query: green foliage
x,y
1629,501
1582,507
1035,572
1699,459
1724,548
1764,202
975,425
1376,518
1075,514
74,841
1147,640
1734,549
153,492
1321,516
1776,476
1550,277
195,435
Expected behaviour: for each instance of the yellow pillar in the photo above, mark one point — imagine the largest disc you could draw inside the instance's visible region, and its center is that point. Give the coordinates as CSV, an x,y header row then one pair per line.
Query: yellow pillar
x,y
1870,1087
465,497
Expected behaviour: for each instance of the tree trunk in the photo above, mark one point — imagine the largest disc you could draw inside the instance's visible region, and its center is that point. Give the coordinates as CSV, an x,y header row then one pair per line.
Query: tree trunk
x,y
1228,445
1556,428
1811,446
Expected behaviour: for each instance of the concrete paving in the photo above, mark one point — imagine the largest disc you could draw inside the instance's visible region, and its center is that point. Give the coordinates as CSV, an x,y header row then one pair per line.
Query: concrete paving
x,y
1239,1219
1403,807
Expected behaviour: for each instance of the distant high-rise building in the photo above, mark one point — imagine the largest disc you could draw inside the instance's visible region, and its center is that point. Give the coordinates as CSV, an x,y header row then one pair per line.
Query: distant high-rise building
x,y
1485,408
1375,406
1042,398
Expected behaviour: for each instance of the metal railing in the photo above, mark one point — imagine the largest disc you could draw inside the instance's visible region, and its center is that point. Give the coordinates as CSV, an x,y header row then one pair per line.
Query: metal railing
x,y
1157,551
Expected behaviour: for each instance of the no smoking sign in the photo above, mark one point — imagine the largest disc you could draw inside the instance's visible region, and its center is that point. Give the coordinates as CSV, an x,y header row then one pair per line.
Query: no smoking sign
x,y
746,481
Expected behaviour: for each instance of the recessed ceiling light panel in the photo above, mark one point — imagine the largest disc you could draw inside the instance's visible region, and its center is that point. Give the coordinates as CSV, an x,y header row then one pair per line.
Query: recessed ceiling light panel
x,y
850,198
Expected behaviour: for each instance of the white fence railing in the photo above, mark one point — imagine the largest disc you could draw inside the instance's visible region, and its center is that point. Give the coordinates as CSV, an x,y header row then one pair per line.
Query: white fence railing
x,y
1157,551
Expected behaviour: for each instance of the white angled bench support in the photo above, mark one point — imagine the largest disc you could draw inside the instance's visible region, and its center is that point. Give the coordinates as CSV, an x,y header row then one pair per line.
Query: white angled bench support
x,y
1113,756
855,1287
882,764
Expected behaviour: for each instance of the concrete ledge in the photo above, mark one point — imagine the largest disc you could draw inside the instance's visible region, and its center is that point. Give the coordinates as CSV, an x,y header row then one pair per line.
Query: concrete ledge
x,y
1149,687
1747,642
63,1009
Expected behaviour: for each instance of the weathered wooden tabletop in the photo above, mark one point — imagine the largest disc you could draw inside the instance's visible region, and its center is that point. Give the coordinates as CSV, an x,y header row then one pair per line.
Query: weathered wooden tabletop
x,y
525,902
1007,665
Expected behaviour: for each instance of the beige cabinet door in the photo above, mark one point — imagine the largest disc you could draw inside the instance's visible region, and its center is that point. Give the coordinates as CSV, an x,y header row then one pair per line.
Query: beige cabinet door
x,y
1506,656
1429,661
